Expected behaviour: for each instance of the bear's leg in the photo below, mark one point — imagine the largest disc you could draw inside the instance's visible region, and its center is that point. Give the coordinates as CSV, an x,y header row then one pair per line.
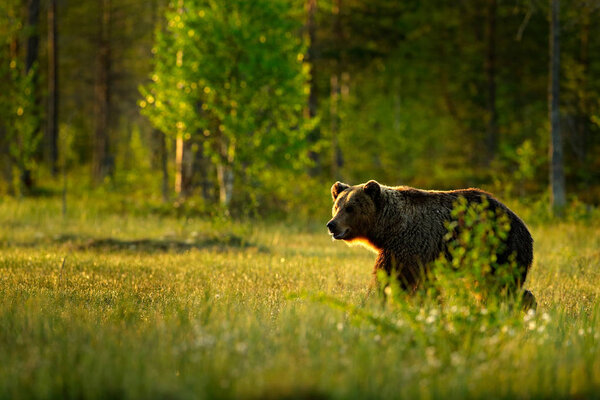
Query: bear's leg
x,y
528,301
408,275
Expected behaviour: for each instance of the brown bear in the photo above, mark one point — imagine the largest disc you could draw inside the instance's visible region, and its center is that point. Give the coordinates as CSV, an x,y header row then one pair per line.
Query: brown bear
x,y
407,228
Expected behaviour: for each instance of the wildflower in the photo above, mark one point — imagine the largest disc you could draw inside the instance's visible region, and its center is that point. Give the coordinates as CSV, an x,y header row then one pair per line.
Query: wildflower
x,y
546,317
456,359
431,358
541,328
241,347
530,314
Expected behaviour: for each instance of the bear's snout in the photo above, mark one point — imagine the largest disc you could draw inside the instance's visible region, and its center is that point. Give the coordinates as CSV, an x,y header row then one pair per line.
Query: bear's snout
x,y
336,231
331,226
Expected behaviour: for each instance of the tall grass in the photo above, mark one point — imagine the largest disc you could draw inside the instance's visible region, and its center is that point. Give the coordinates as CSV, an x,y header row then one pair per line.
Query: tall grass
x,y
165,307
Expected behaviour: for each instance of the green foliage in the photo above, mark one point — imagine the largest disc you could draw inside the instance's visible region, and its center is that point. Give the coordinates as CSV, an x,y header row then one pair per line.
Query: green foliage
x,y
475,238
11,22
231,75
384,121
19,117
284,195
412,106
134,166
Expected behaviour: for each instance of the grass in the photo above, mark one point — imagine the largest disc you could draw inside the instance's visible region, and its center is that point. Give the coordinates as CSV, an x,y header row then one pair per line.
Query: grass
x,y
107,305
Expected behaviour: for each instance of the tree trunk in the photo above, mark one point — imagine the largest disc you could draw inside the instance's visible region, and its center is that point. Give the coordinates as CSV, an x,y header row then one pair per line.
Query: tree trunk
x,y
5,164
336,153
225,178
102,160
179,164
203,170
557,177
31,57
311,107
33,38
52,117
161,161
225,173
6,158
187,168
334,124
184,166
580,142
490,72
159,136
164,167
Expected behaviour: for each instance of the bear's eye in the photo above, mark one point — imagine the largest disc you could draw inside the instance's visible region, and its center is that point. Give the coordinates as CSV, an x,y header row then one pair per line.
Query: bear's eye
x,y
349,209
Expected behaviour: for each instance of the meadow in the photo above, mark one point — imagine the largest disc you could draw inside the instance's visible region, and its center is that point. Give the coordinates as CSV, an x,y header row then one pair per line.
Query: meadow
x,y
103,304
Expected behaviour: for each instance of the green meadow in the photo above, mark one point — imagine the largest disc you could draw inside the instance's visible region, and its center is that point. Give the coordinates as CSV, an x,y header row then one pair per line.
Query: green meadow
x,y
114,305
165,175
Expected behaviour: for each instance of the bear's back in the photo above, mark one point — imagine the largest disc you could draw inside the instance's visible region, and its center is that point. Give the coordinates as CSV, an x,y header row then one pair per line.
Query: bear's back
x,y
419,220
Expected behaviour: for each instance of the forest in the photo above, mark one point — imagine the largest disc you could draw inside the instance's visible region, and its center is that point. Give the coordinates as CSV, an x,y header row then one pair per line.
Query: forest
x,y
256,108
167,171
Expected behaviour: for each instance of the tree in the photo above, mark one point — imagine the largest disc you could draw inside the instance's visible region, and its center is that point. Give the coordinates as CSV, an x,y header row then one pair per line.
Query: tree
x,y
579,93
102,160
335,89
31,69
557,177
490,71
52,112
19,117
231,75
159,136
313,136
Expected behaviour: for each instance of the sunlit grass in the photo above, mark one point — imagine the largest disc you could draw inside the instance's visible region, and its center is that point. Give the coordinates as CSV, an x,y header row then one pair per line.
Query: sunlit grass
x,y
215,315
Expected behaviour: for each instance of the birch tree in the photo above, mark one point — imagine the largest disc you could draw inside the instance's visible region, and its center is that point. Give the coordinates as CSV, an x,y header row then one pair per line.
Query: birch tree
x,y
231,75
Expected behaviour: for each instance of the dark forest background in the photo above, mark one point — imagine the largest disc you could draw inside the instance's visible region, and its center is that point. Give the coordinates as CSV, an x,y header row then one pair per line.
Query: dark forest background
x,y
259,106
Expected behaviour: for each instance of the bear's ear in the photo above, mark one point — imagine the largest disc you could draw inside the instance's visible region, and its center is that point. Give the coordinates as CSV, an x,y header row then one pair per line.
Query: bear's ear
x,y
373,189
338,188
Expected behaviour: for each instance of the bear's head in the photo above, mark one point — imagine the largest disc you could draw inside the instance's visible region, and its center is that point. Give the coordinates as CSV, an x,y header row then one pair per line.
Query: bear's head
x,y
354,210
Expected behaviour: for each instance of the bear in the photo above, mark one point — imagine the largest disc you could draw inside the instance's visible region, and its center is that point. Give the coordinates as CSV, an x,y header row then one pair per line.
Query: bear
x,y
407,228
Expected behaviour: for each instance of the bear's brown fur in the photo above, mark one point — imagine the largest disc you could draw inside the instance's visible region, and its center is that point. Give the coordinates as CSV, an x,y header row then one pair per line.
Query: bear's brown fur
x,y
406,226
